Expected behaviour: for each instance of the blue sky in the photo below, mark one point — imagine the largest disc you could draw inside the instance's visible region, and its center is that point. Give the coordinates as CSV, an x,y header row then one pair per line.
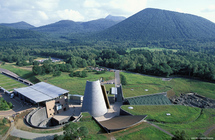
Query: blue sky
x,y
42,12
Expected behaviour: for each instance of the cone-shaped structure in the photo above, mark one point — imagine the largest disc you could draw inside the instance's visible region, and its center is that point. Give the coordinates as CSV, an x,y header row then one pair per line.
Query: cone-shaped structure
x,y
94,102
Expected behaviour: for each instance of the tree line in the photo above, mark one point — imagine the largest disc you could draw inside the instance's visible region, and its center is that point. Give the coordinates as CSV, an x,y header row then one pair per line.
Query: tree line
x,y
166,62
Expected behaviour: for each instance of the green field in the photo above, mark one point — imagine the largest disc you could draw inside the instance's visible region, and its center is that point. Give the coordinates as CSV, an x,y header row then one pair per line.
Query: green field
x,y
181,118
157,113
23,72
189,119
9,83
142,132
95,131
138,83
75,85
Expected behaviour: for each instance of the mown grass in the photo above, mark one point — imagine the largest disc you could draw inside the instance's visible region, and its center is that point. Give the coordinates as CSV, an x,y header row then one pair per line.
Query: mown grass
x,y
25,74
138,83
179,113
9,83
95,131
143,132
75,85
184,118
202,124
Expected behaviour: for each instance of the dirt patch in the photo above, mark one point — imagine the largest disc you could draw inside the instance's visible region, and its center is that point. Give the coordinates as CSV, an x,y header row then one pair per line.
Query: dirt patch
x,y
170,93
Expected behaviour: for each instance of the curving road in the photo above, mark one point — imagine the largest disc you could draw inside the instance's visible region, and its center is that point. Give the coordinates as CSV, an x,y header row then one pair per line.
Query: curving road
x,y
29,135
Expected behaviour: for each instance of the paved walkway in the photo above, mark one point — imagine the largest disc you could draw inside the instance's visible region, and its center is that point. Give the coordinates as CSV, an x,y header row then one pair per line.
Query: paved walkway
x,y
29,135
160,129
207,132
117,78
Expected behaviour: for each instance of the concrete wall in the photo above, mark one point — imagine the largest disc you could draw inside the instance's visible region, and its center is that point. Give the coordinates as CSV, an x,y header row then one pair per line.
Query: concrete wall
x,y
94,101
38,117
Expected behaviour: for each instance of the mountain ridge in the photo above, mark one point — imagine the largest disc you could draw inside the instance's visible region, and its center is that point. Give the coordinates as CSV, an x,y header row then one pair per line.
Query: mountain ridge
x,y
71,27
18,25
157,24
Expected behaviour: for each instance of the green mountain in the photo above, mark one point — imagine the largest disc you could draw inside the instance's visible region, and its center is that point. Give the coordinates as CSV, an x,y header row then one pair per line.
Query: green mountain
x,y
156,24
11,33
18,25
65,27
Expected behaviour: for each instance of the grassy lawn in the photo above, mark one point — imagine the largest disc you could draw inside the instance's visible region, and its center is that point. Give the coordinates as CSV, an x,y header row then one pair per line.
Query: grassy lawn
x,y
138,83
184,118
203,123
23,72
143,131
95,131
9,83
179,113
75,85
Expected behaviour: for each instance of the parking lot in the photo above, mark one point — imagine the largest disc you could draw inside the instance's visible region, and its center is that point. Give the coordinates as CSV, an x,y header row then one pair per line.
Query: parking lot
x,y
18,105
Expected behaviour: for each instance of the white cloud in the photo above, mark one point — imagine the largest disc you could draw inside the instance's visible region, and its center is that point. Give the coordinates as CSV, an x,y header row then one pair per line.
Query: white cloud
x,y
129,6
43,15
210,8
70,15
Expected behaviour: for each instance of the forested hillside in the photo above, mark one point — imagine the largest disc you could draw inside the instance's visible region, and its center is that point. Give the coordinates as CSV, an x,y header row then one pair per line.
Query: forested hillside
x,y
66,27
10,33
18,25
156,24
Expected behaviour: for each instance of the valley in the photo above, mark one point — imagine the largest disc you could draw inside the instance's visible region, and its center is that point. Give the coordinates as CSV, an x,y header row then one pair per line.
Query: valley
x,y
146,47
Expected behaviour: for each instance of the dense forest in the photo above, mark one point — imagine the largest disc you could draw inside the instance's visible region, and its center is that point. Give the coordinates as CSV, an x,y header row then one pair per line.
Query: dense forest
x,y
164,62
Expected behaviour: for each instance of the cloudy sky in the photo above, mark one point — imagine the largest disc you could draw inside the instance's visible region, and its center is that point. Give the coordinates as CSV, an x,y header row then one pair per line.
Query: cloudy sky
x,y
41,12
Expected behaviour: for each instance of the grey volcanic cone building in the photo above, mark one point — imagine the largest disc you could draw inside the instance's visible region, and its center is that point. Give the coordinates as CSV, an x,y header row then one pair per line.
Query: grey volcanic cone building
x,y
94,101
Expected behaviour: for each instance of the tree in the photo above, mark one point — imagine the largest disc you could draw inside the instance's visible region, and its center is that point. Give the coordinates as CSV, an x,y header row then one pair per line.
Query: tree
x,y
4,121
71,74
179,135
83,131
83,74
72,131
123,80
57,73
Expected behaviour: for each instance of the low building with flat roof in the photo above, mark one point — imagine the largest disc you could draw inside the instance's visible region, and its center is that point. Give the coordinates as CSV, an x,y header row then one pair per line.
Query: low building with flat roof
x,y
40,92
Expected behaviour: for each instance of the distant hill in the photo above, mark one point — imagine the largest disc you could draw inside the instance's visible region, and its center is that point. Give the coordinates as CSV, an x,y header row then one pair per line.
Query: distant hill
x,y
156,24
71,27
10,33
18,25
115,18
62,27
